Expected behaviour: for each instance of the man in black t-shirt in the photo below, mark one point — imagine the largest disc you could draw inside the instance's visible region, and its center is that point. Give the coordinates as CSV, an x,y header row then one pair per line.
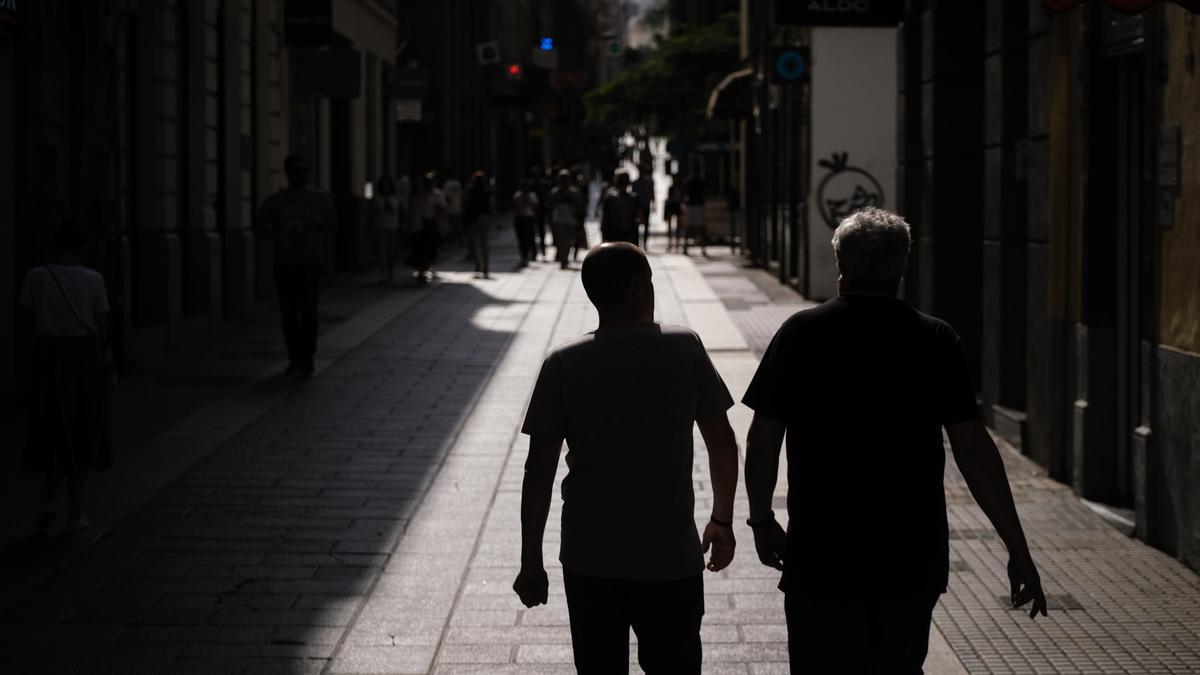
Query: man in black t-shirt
x,y
863,386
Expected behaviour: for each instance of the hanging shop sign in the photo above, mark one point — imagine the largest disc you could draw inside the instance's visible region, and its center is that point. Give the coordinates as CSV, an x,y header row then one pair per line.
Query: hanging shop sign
x,y
839,12
308,23
408,110
1124,6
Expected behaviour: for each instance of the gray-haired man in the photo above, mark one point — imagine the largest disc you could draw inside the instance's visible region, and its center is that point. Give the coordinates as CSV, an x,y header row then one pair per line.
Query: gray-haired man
x,y
863,386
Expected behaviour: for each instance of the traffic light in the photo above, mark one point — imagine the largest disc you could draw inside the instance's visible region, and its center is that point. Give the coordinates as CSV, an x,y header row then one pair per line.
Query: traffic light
x,y
514,72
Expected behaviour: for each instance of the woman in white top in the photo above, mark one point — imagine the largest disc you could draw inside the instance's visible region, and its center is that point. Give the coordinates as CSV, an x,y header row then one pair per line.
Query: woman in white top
x,y
68,415
429,207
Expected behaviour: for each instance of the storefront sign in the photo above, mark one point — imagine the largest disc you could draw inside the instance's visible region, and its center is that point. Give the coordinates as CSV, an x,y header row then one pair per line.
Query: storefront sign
x,y
839,12
308,23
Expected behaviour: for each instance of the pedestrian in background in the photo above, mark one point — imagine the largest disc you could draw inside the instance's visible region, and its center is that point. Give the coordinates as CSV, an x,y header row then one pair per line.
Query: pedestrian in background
x,y
68,435
542,187
525,206
643,191
452,189
863,386
386,216
429,206
581,238
618,218
477,210
563,204
630,551
695,190
298,219
672,207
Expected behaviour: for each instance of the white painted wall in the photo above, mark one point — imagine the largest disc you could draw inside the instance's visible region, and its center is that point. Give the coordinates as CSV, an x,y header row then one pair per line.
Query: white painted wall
x,y
853,111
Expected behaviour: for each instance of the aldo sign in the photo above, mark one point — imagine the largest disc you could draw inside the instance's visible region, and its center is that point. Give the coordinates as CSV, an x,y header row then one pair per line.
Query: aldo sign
x,y
839,12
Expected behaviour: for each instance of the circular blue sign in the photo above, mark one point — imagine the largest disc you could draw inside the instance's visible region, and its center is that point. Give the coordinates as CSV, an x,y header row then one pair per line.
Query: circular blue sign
x,y
790,65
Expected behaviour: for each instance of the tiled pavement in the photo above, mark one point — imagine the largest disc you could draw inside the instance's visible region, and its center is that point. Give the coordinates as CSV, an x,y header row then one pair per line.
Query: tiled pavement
x,y
368,522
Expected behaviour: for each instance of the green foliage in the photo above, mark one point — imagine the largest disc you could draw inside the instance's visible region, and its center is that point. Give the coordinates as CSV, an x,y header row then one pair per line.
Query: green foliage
x,y
668,91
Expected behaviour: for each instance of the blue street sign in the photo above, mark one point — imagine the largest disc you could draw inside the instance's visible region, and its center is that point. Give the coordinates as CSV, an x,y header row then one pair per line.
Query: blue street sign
x,y
790,65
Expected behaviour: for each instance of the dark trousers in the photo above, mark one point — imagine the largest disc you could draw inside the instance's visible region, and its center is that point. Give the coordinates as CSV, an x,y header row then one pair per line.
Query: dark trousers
x,y
665,616
298,286
875,636
526,244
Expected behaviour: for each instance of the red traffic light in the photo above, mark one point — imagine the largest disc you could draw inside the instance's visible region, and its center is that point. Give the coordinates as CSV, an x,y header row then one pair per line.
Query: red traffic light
x,y
514,69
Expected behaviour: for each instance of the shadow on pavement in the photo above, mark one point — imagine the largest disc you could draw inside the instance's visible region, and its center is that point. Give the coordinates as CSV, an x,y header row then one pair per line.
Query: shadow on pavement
x,y
257,556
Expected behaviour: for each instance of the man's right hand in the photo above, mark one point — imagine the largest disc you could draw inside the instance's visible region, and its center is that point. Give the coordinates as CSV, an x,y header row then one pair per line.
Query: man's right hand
x,y
532,586
769,541
1026,584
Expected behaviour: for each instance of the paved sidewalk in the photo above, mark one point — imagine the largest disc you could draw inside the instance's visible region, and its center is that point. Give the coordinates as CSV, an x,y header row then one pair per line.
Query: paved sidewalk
x,y
367,521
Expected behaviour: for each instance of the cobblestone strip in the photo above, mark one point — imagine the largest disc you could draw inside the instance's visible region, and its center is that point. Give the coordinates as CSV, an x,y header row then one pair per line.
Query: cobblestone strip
x,y
1116,605
403,621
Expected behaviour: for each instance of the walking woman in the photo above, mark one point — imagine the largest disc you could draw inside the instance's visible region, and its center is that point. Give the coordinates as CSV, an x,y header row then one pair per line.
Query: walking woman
x,y
68,416
477,211
430,207
525,209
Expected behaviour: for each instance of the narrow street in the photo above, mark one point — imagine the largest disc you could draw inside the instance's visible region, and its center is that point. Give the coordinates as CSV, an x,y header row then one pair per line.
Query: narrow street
x,y
366,521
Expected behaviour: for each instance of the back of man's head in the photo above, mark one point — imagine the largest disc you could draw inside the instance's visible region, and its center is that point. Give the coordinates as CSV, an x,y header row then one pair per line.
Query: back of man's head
x,y
608,271
871,247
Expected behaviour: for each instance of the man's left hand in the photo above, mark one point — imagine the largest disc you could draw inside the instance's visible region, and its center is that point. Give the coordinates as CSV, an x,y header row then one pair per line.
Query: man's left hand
x,y
720,538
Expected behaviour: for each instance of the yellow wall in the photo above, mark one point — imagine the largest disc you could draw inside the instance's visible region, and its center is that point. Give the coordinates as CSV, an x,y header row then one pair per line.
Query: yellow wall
x,y
1180,269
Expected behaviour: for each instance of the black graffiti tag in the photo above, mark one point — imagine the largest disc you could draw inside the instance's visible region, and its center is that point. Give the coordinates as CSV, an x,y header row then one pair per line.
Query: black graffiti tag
x,y
846,189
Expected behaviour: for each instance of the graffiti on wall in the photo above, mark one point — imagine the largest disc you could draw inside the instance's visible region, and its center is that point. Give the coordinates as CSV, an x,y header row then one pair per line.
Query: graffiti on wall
x,y
846,189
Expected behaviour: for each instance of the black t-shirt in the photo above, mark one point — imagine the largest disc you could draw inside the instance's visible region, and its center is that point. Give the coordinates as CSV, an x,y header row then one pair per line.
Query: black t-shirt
x,y
865,385
696,190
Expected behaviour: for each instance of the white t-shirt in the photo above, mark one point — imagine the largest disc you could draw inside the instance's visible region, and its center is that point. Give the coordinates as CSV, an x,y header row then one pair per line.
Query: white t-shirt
x,y
52,313
453,191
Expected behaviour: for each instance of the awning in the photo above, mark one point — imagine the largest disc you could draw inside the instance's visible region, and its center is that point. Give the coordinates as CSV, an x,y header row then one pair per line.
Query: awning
x,y
732,98
1125,6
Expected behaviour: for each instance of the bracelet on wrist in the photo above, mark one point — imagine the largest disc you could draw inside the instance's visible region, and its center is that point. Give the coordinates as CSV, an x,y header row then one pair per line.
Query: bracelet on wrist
x,y
760,523
722,523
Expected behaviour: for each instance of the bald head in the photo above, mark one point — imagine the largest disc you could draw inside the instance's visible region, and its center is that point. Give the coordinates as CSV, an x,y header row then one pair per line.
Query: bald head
x,y
612,273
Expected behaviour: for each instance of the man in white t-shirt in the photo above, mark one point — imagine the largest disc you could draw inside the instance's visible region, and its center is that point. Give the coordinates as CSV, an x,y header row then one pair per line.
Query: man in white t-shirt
x,y
626,398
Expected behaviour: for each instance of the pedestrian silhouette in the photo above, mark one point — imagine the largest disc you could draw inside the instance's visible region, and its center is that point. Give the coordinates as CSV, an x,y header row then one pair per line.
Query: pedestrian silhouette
x,y
477,210
525,205
625,398
68,416
618,212
429,210
563,205
298,219
387,213
863,385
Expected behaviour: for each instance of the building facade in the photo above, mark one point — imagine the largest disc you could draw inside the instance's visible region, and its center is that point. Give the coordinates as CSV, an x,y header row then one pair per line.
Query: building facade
x,y
158,126
1049,164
